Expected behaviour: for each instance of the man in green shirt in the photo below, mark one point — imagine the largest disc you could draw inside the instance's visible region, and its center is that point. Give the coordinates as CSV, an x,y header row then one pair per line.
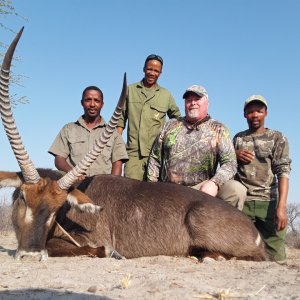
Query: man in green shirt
x,y
77,138
145,111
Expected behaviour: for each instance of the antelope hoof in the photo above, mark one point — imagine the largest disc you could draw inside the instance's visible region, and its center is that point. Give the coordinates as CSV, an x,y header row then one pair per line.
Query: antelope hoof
x,y
111,252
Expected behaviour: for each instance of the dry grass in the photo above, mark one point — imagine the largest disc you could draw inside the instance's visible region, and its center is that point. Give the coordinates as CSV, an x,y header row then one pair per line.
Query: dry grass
x,y
225,294
125,282
293,239
5,215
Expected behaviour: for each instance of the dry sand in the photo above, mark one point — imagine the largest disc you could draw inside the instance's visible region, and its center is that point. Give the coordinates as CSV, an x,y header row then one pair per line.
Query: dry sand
x,y
157,277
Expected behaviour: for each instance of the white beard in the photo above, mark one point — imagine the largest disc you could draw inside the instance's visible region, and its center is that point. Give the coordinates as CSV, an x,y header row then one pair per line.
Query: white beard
x,y
193,114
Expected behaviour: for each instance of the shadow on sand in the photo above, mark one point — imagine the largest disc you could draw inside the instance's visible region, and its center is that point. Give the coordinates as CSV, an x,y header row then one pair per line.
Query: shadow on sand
x,y
45,294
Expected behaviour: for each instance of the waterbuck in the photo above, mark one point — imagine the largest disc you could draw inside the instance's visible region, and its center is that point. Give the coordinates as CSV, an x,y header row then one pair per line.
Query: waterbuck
x,y
111,215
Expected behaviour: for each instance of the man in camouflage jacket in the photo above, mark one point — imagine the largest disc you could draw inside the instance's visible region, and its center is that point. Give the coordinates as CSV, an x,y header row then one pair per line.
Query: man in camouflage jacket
x,y
197,151
264,168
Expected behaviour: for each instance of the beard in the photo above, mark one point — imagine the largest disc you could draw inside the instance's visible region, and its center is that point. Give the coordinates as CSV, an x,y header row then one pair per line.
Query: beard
x,y
193,114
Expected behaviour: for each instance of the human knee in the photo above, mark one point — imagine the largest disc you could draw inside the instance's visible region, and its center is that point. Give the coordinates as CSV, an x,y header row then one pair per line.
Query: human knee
x,y
234,193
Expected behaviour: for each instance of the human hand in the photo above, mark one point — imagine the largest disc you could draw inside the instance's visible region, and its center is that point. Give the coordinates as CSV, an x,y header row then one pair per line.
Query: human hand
x,y
244,156
209,187
80,178
281,218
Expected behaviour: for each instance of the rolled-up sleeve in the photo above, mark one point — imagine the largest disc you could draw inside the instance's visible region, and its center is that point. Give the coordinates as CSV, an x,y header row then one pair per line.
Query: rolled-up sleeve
x,y
60,144
119,149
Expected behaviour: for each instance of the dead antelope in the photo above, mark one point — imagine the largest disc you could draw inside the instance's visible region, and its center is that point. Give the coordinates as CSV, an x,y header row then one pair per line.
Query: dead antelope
x,y
137,218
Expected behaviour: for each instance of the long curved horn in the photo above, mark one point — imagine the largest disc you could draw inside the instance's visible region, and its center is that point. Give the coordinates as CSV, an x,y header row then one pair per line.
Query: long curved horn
x,y
29,172
80,169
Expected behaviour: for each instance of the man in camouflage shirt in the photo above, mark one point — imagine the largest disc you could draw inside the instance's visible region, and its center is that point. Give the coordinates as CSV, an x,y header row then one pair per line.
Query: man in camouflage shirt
x,y
189,150
264,168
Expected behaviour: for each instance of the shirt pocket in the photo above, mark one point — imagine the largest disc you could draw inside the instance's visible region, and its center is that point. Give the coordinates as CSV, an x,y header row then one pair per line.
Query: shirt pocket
x,y
158,112
77,146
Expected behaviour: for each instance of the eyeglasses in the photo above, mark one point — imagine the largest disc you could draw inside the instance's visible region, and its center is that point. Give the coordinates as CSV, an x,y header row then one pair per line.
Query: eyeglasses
x,y
155,57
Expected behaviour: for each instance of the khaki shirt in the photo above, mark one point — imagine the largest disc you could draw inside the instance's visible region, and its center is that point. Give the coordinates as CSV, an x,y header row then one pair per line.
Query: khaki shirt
x,y
145,111
76,139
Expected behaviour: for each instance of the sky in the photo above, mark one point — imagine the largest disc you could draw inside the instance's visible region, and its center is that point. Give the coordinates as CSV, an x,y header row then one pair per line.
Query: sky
x,y
234,48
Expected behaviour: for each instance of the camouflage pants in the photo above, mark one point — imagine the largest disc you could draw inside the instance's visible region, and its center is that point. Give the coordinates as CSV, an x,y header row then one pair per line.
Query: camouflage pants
x,y
232,192
263,215
136,168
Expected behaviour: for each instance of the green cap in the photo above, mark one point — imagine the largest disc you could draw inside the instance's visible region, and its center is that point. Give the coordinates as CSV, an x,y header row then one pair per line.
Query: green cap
x,y
256,98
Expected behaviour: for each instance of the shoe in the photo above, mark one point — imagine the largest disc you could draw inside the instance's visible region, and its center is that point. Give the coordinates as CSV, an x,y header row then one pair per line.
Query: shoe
x,y
281,262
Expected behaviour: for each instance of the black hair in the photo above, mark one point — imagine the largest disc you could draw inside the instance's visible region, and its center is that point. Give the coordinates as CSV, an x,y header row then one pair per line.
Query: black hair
x,y
154,57
93,88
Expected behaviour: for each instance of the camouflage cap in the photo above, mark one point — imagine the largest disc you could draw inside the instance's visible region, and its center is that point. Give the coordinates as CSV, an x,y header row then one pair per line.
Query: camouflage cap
x,y
197,89
256,98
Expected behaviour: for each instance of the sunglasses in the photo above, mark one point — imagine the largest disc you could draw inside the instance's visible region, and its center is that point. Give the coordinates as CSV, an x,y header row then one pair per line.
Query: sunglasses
x,y
154,57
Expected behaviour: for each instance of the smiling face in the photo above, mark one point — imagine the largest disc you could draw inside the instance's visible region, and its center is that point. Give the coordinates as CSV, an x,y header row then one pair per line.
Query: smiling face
x,y
92,103
196,107
255,113
152,70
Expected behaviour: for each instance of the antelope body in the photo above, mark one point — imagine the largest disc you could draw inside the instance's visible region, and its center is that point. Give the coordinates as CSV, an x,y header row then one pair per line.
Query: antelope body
x,y
137,219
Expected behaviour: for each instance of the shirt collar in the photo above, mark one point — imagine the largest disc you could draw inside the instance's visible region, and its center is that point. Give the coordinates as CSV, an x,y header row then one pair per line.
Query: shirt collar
x,y
140,85
197,124
81,122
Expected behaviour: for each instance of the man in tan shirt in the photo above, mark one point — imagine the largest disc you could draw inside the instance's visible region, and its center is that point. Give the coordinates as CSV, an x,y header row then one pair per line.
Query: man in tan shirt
x,y
76,138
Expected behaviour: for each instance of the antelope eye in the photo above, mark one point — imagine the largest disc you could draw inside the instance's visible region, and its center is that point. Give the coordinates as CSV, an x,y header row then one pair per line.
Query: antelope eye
x,y
22,198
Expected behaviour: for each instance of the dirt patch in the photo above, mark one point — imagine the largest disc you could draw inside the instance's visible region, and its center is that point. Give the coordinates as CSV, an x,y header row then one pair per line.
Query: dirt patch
x,y
158,277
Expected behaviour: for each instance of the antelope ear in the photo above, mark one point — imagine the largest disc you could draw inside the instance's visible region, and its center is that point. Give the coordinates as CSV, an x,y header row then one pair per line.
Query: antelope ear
x,y
82,202
11,179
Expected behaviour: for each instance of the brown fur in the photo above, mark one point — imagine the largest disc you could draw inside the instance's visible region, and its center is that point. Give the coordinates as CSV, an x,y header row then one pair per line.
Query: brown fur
x,y
138,219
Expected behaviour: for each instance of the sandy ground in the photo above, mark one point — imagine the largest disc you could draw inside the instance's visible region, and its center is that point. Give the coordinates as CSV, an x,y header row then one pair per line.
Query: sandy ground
x,y
157,277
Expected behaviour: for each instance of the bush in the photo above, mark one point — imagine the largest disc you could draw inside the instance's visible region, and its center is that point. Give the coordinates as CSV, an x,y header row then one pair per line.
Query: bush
x,y
5,216
293,239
